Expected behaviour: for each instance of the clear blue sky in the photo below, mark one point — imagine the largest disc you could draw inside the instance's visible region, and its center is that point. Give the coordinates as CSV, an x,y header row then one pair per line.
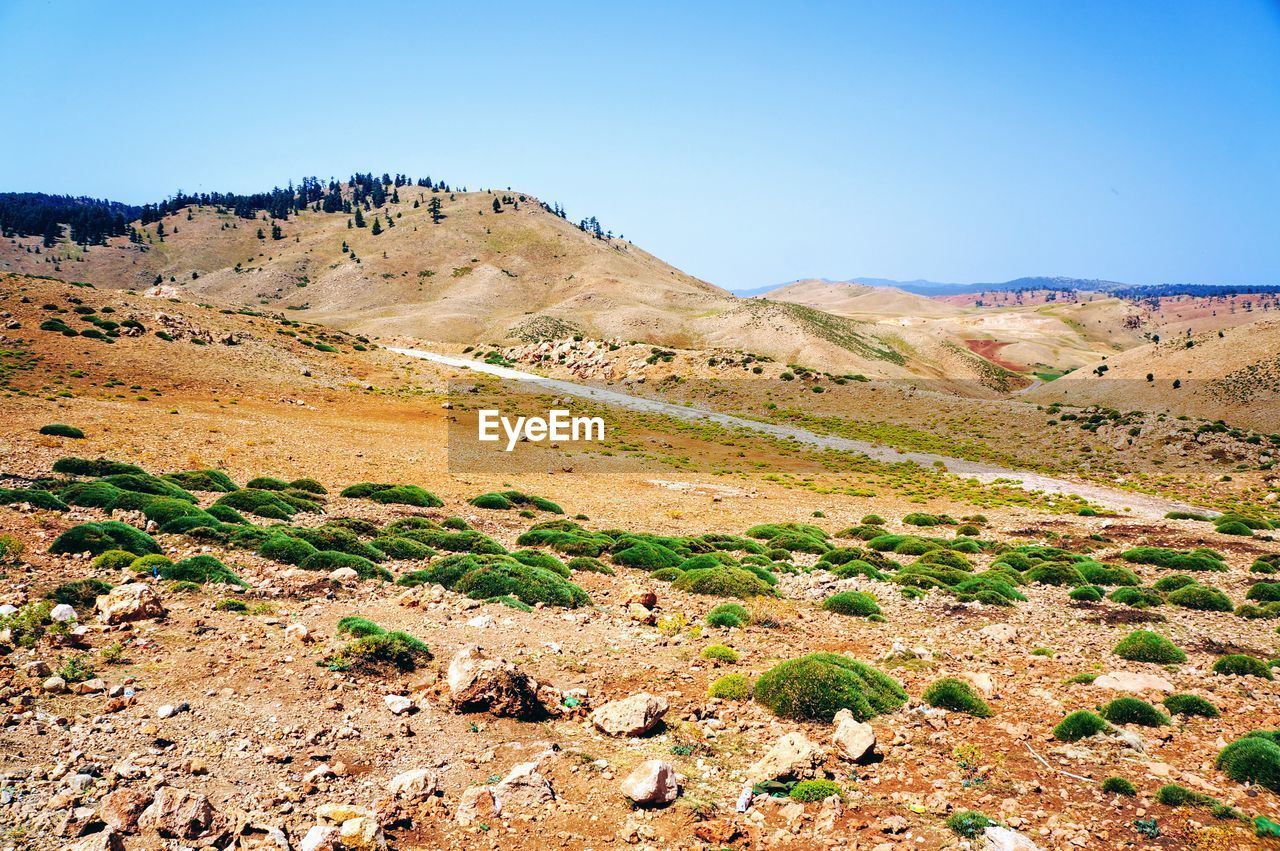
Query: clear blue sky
x,y
746,143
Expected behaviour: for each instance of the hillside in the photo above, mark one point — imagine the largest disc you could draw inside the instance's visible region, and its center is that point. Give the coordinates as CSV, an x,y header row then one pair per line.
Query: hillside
x,y
1232,374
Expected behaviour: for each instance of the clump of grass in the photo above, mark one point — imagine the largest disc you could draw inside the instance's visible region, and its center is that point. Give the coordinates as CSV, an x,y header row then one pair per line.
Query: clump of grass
x,y
62,430
816,686
73,466
1240,665
231,604
730,687
1191,705
80,594
809,791
1201,598
720,653
97,538
1131,710
332,560
263,503
957,696
1119,786
969,823
373,653
723,581
1143,645
852,603
202,569
728,614
393,494
1079,725
202,480
506,500
1253,758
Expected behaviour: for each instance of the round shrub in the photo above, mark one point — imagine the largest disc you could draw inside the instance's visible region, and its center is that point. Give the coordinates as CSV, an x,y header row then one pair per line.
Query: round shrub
x,y
1143,645
1137,598
1264,592
590,564
1131,710
667,574
1240,665
201,569
816,686
202,480
853,603
332,560
1167,584
231,605
1255,758
308,486
546,561
1234,527
1086,594
113,560
73,466
80,594
647,556
372,652
730,687
1079,725
723,581
405,549
1192,705
62,430
530,585
1109,575
957,696
1119,786
97,538
947,558
492,501
393,494
286,549
91,495
263,503
1201,598
149,564
810,791
969,823
872,520
358,627
728,614
226,514
1055,573
720,653
267,483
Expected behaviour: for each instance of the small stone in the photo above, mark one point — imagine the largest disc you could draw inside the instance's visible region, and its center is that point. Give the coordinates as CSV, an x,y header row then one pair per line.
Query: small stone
x,y
62,613
631,716
414,784
398,704
652,783
523,786
122,808
854,740
321,837
54,685
132,602
792,757
477,805
344,575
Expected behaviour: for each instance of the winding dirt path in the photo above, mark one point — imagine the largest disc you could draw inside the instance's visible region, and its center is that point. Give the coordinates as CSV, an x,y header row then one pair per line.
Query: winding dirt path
x,y
1137,504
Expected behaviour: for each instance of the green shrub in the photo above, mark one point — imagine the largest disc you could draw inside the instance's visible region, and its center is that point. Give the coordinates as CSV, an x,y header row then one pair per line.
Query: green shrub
x,y
530,585
854,603
231,605
589,564
1138,598
1269,563
405,549
1109,575
1143,645
91,495
80,594
1119,786
310,486
149,564
201,569
1255,758
1056,573
1192,705
1234,527
148,484
723,581
1191,560
492,501
858,567
263,503
506,500
358,627
267,483
373,652
202,480
34,496
946,558
809,791
286,549
393,494
730,687
546,561
226,514
1241,665
918,518
1086,594
1264,592
62,430
816,686
728,614
332,560
1131,710
872,520
969,823
339,539
1079,725
113,560
720,653
510,602
1167,584
72,466
957,696
467,541
1201,598
97,538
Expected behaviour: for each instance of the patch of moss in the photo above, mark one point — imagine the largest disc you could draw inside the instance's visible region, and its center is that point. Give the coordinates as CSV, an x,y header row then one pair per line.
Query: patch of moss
x,y
1240,665
852,603
99,537
816,686
957,696
1131,710
1079,725
393,494
1143,645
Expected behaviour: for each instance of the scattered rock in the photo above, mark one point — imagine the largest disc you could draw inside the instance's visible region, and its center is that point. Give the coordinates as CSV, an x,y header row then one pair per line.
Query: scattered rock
x,y
1129,681
179,814
480,683
133,602
631,716
523,786
477,805
854,740
398,704
1004,839
652,783
122,808
792,757
414,784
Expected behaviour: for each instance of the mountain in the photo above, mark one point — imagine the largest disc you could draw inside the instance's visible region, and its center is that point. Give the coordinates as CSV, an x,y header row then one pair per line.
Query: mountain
x,y
933,288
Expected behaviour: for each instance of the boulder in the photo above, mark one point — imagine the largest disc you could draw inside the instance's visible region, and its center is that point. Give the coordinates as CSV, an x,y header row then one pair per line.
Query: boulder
x,y
523,786
478,683
179,814
121,809
1004,839
133,602
103,840
62,613
652,783
854,740
397,704
792,757
1001,633
362,833
477,805
631,716
414,784
321,837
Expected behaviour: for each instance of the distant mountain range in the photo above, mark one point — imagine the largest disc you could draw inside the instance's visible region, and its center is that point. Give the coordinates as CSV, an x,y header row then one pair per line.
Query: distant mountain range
x,y
1037,282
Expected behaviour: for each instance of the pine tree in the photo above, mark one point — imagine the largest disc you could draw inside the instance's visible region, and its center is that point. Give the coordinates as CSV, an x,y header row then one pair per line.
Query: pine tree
x,y
276,233
497,205
359,218
261,235
434,208
377,226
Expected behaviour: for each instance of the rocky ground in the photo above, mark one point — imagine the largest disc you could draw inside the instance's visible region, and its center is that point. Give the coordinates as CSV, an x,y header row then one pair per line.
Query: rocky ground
x,y
160,717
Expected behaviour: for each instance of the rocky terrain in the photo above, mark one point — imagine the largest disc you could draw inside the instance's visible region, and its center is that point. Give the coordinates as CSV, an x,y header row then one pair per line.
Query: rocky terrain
x,y
262,610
